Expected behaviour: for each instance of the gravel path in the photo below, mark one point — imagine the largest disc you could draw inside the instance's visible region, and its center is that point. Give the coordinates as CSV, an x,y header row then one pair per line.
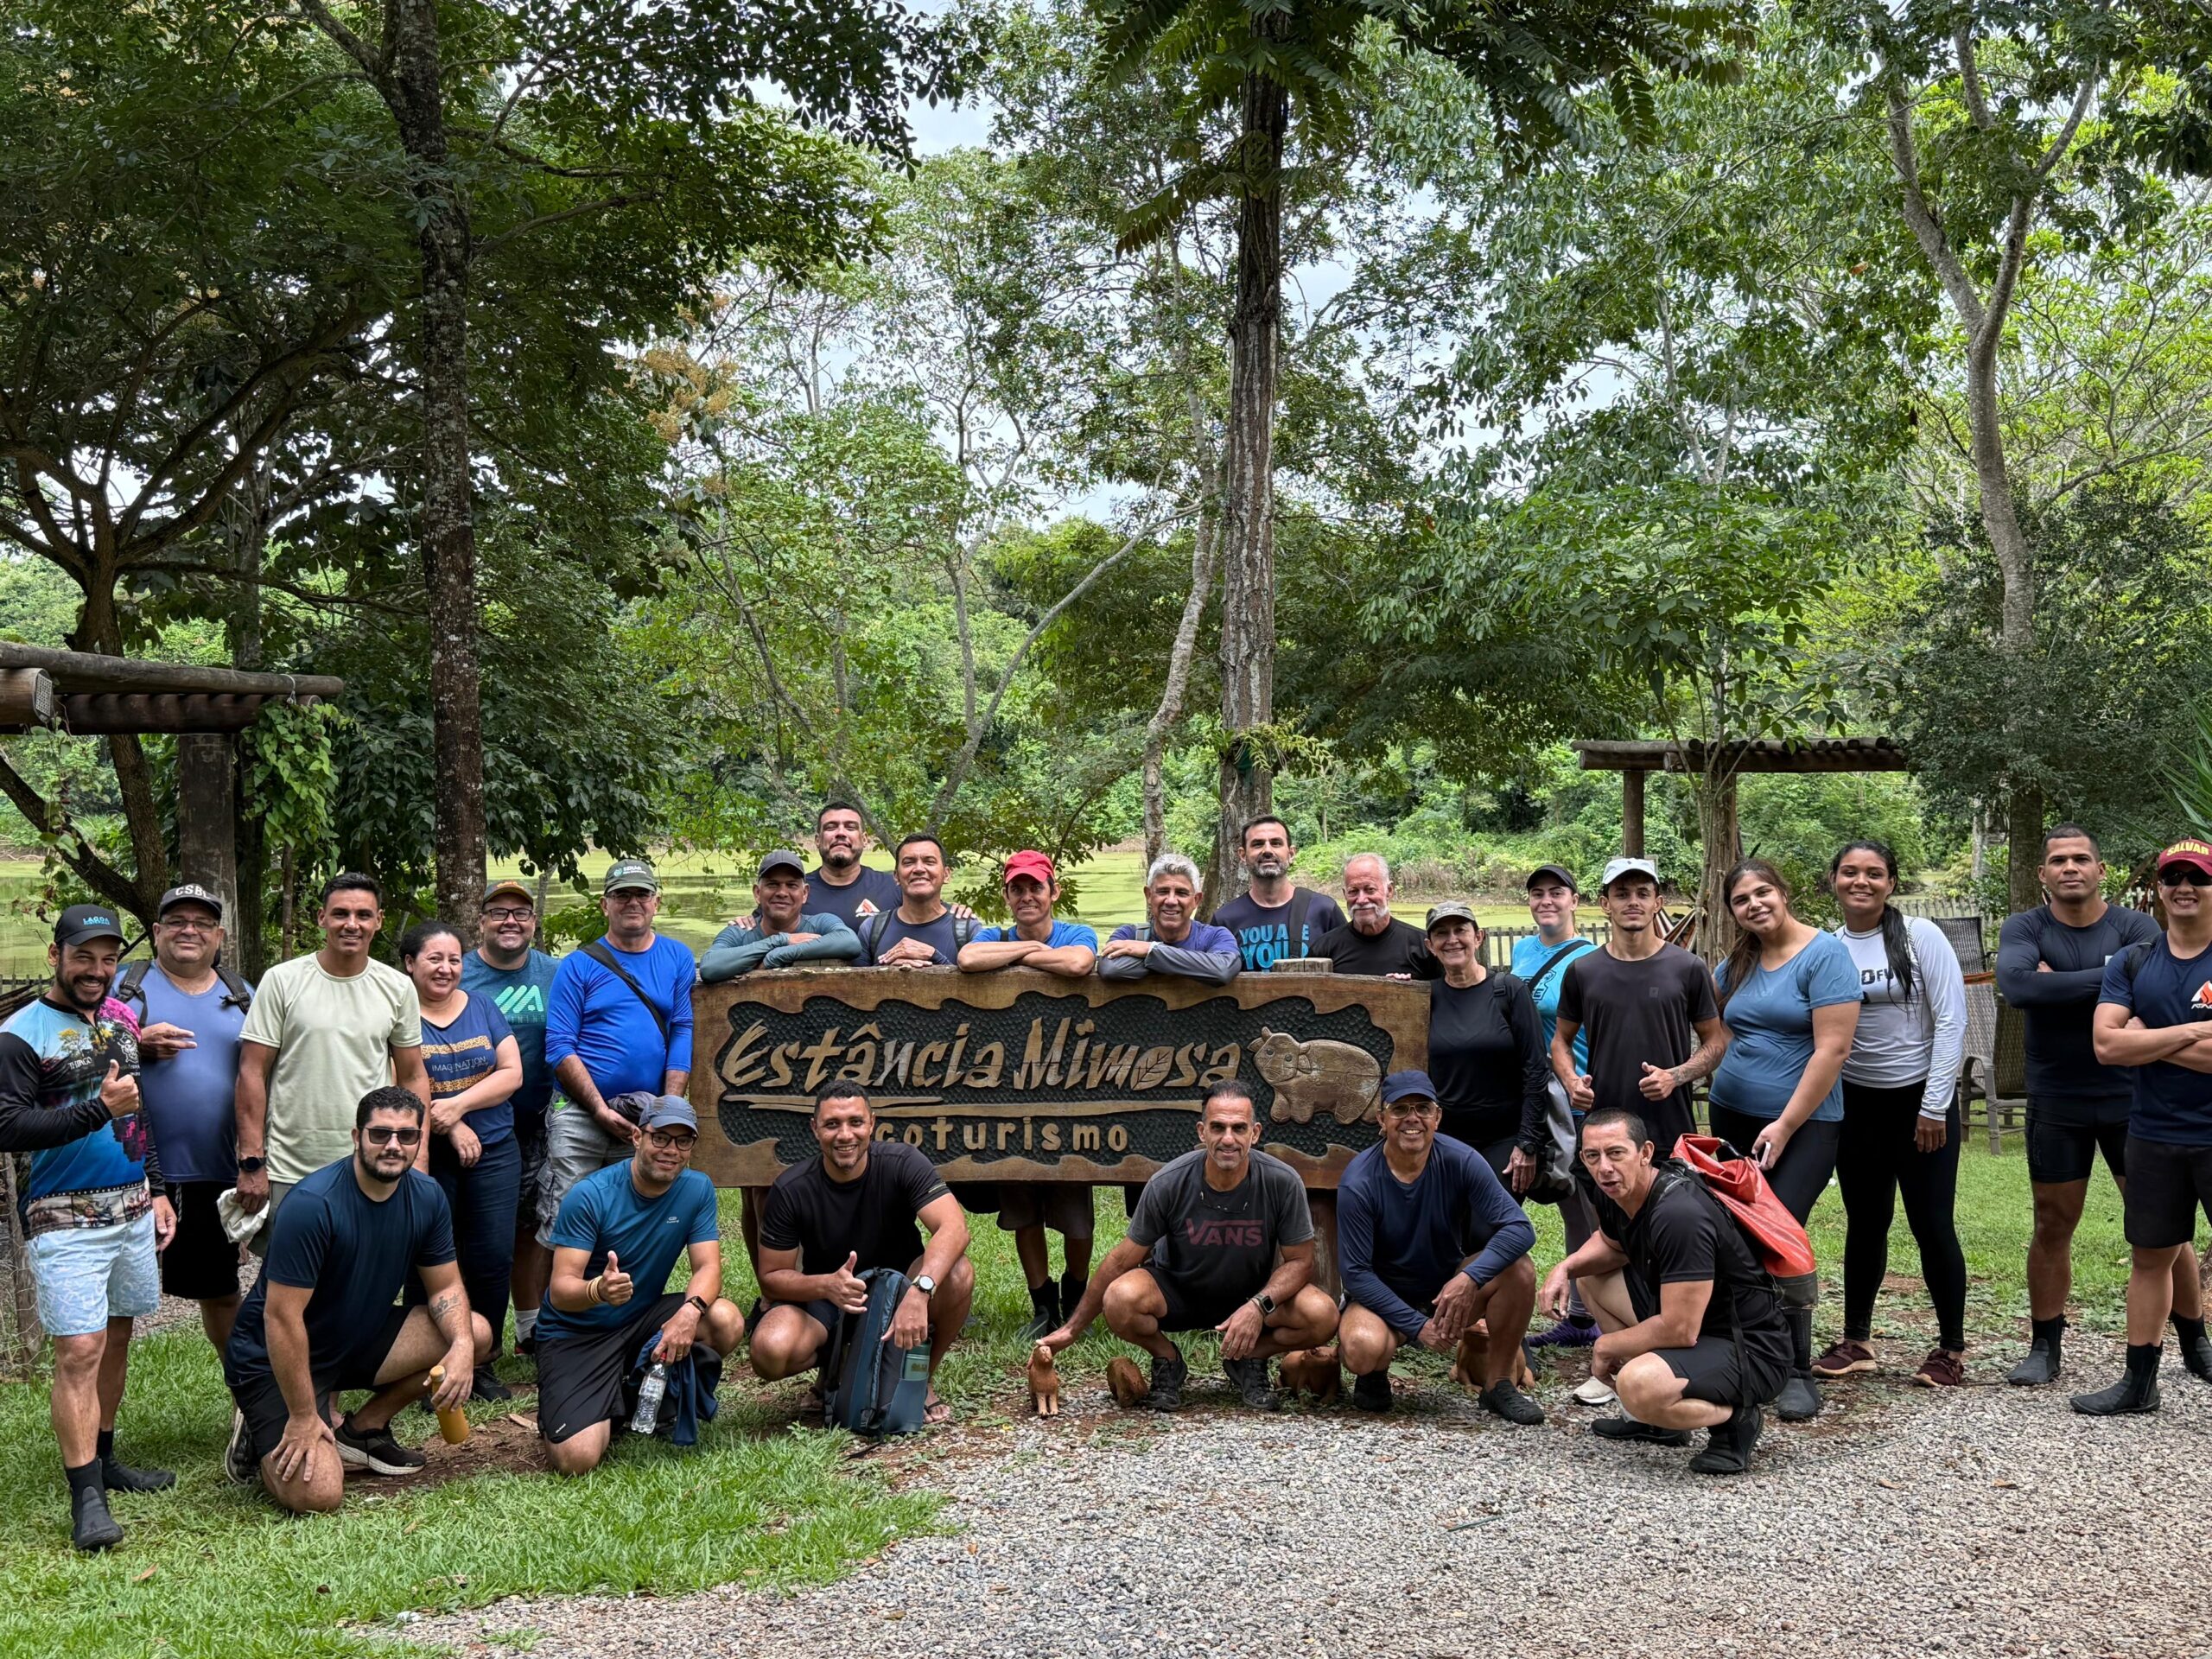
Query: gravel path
x,y
1982,1523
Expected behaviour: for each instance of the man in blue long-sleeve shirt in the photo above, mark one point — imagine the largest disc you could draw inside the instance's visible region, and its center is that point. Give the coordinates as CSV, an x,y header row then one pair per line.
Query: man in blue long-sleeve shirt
x,y
1173,939
1430,1242
777,933
617,1022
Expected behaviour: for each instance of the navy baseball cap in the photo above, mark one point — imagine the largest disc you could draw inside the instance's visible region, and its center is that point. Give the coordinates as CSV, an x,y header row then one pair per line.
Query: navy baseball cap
x,y
1407,1085
782,858
80,924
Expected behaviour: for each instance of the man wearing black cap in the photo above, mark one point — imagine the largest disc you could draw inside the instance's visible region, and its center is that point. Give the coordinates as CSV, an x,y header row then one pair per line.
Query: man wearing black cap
x,y
778,933
192,1012
618,1231
507,970
2154,1016
1430,1242
93,1210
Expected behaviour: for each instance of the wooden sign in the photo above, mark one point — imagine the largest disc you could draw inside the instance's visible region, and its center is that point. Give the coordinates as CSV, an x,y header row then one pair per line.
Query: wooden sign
x,y
1025,1076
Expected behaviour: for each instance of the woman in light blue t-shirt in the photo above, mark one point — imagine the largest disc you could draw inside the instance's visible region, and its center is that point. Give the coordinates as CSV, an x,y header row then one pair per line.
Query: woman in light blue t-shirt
x,y
1789,996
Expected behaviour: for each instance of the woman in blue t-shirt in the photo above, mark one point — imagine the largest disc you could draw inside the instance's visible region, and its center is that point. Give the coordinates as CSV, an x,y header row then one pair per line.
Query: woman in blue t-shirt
x,y
1789,996
475,1066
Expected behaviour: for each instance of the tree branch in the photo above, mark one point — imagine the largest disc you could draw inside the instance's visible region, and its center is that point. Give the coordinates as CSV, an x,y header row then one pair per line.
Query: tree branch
x,y
1970,78
54,826
1926,230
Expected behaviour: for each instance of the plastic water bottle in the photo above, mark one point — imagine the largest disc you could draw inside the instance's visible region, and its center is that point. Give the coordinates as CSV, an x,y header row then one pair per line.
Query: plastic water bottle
x,y
650,1394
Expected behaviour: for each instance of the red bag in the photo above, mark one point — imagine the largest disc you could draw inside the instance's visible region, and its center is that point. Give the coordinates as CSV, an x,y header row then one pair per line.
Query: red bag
x,y
1777,1238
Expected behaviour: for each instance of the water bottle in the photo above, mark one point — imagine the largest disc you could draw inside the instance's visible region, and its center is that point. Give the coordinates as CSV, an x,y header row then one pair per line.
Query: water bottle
x,y
649,1393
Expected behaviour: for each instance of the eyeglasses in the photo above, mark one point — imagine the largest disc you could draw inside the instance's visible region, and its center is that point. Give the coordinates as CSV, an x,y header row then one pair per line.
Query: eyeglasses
x,y
1413,1109
633,896
671,1140
187,925
2183,875
377,1135
509,913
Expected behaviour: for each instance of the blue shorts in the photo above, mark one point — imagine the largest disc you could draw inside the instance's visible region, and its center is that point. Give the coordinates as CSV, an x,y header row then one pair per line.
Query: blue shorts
x,y
88,1275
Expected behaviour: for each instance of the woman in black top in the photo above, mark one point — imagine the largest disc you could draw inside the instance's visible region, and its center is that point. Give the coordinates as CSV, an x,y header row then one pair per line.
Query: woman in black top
x,y
1485,1045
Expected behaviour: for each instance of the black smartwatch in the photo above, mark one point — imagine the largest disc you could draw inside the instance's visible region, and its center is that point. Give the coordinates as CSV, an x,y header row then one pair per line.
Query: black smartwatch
x,y
698,1302
252,1165
1265,1303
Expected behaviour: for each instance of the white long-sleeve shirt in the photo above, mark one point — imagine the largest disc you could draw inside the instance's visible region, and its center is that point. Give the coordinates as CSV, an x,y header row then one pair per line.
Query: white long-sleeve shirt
x,y
1904,1038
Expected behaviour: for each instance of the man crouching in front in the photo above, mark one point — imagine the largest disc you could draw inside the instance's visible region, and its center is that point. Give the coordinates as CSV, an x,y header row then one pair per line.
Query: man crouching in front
x,y
829,1220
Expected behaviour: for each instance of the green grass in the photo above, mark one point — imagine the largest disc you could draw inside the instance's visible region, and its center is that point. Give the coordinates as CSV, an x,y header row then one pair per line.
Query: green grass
x,y
212,1569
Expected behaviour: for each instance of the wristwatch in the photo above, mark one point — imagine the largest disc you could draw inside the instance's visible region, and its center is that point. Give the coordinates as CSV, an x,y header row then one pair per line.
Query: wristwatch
x,y
699,1302
1265,1303
252,1165
924,1283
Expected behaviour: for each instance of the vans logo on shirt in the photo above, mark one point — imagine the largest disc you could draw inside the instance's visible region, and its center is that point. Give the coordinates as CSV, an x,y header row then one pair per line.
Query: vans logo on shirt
x,y
1224,1235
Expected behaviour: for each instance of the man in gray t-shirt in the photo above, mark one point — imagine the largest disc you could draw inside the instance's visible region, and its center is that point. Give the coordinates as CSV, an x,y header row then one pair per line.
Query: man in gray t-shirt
x,y
1221,1240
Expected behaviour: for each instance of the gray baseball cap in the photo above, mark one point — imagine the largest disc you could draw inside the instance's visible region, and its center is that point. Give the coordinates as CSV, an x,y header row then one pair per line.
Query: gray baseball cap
x,y
782,858
669,1112
627,873
1451,911
1621,866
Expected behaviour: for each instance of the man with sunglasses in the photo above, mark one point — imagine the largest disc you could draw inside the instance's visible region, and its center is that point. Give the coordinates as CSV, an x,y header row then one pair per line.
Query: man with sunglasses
x,y
615,1242
2154,1017
1430,1242
325,1316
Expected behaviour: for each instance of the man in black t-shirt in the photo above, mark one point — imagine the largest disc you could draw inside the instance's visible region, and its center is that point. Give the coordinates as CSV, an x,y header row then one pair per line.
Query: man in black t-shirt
x,y
843,886
1693,1331
830,1220
325,1316
1272,920
1373,941
1654,1023
1222,1240
2050,966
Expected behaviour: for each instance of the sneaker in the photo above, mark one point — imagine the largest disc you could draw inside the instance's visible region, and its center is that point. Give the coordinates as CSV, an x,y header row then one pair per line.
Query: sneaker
x,y
1567,1334
2130,1397
90,1527
1595,1393
240,1466
1044,1314
1844,1359
122,1477
1501,1399
1371,1391
1728,1448
375,1450
1250,1376
485,1386
1941,1370
1167,1376
1799,1402
2039,1367
1627,1428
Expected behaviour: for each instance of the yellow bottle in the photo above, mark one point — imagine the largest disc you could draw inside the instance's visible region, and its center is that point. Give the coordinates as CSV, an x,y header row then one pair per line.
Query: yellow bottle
x,y
453,1423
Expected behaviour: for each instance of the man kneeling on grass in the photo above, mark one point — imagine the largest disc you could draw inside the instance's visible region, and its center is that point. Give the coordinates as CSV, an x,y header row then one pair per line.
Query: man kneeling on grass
x,y
1222,1240
620,1228
1430,1241
832,1219
322,1318
1694,1331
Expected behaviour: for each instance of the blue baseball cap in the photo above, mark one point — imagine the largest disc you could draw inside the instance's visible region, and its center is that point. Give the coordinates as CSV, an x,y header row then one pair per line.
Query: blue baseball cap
x,y
1407,1085
669,1112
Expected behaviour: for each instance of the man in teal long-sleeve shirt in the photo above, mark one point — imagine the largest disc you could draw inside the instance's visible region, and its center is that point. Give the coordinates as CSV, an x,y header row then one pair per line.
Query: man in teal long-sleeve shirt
x,y
777,933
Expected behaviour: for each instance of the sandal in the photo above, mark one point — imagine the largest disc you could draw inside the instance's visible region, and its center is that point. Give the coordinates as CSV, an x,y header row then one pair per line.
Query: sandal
x,y
936,1411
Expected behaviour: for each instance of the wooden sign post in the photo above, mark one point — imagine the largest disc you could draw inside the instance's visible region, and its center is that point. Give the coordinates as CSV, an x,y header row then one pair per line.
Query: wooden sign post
x,y
1027,1077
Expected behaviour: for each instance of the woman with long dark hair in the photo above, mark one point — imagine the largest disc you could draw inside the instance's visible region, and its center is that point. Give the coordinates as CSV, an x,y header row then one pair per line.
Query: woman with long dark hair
x,y
1901,1127
1788,995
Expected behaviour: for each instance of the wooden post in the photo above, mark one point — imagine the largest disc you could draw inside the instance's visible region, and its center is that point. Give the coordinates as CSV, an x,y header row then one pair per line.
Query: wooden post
x,y
1632,813
206,828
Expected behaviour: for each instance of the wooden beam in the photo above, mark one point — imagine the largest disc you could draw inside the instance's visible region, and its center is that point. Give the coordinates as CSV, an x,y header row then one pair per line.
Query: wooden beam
x,y
1761,755
1632,813
207,817
26,699
85,672
104,713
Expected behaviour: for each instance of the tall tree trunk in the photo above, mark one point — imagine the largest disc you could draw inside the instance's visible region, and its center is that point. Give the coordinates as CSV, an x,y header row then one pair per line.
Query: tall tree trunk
x,y
1247,533
100,631
448,527
1722,843
247,928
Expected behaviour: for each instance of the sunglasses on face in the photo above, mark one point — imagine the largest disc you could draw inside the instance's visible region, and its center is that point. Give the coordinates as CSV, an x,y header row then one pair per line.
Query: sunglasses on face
x,y
1409,1109
2183,875
377,1135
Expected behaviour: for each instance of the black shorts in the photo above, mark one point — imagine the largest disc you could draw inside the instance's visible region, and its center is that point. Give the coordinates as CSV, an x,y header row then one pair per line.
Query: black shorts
x,y
2064,1137
263,1402
530,1140
1188,1313
2170,1185
1712,1367
201,1263
1064,1206
823,1313
580,1378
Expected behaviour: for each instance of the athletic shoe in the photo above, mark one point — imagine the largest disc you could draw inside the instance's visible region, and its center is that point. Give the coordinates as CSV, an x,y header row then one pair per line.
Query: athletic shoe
x,y
485,1386
375,1450
1567,1334
118,1477
2130,1395
240,1466
90,1527
1501,1399
1728,1448
1044,1313
1595,1393
1799,1400
1371,1391
1168,1372
527,1346
1941,1369
2039,1366
1250,1376
1843,1359
1627,1428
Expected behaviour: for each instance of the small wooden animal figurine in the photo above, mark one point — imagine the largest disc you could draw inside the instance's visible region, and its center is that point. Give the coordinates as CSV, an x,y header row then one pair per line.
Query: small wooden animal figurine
x,y
1125,1382
1473,1361
1315,1371
1043,1383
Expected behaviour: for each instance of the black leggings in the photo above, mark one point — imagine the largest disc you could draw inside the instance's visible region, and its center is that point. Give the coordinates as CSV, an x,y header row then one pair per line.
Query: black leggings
x,y
1807,1162
1879,1158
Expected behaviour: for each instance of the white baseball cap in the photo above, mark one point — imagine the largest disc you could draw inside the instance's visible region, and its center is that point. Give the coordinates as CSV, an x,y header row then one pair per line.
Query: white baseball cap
x,y
1621,866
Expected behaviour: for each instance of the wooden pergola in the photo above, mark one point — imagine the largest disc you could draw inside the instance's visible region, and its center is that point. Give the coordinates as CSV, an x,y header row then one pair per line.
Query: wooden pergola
x,y
1632,759
204,708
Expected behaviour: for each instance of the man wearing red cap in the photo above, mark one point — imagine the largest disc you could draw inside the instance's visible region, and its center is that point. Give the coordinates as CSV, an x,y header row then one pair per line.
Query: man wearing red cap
x,y
1026,1208
2154,1015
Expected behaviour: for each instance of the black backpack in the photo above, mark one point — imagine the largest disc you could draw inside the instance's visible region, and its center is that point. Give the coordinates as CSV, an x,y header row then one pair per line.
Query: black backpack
x,y
131,988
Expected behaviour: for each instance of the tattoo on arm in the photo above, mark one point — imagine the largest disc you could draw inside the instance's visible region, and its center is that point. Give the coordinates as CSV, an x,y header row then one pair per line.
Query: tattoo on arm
x,y
1700,1064
444,1306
